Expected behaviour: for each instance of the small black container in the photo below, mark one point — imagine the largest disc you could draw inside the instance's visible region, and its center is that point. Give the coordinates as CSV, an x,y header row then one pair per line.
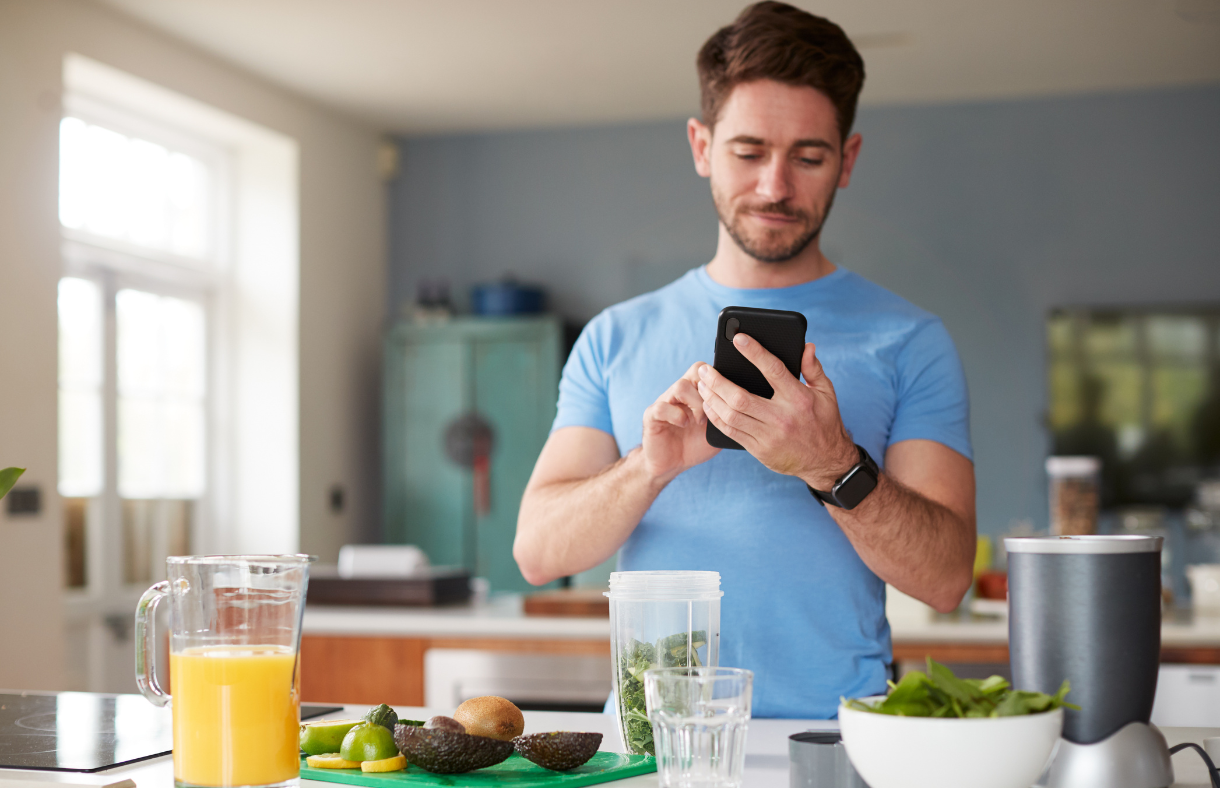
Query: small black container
x,y
817,759
1087,609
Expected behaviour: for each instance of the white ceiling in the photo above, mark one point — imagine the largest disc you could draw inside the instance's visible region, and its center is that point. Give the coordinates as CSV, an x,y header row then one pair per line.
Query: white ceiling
x,y
418,66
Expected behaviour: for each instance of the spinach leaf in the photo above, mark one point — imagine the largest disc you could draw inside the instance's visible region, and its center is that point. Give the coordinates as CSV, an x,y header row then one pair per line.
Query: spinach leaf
x,y
938,693
9,477
637,657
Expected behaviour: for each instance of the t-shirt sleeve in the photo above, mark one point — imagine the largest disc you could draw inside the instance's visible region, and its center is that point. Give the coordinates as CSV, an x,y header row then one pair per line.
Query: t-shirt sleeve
x,y
584,400
933,403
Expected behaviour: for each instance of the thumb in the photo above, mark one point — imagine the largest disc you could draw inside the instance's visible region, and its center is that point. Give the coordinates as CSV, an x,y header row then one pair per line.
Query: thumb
x,y
811,368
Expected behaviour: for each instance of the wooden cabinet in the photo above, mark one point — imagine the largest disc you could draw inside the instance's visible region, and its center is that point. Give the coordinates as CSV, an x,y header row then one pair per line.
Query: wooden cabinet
x,y
371,670
443,384
998,653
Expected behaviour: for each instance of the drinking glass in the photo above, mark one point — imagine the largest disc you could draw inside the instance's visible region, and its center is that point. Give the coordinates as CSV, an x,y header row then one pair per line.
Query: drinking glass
x,y
699,718
235,632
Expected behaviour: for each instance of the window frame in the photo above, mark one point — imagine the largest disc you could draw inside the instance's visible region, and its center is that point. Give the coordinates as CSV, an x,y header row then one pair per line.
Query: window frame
x,y
114,265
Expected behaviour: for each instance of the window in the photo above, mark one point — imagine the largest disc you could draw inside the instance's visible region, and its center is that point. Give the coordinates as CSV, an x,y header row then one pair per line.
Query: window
x,y
178,348
143,251
133,190
1139,389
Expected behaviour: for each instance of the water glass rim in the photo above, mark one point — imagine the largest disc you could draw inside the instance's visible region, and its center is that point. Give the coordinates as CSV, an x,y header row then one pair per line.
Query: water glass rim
x,y
259,560
700,672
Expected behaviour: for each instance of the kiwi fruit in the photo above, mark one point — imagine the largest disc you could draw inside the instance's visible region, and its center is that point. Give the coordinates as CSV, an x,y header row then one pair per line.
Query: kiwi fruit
x,y
491,716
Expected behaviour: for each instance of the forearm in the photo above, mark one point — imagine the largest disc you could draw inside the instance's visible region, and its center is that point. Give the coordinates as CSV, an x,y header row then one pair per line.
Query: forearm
x,y
920,547
569,526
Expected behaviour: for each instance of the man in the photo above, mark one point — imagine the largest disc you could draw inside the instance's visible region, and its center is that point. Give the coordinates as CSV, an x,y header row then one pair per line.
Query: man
x,y
627,470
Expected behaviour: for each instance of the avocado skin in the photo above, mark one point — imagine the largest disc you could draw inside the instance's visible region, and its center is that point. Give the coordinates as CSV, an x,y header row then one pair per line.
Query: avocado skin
x,y
449,752
382,715
558,750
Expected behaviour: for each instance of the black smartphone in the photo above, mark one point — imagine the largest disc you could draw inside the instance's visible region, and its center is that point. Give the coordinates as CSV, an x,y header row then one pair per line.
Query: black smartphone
x,y
780,332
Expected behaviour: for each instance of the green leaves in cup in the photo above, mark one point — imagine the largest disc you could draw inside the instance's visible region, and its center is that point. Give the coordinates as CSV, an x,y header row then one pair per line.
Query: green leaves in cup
x,y
938,693
9,477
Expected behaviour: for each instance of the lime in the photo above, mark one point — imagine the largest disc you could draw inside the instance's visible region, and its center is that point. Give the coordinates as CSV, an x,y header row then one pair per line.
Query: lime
x,y
323,736
368,742
395,764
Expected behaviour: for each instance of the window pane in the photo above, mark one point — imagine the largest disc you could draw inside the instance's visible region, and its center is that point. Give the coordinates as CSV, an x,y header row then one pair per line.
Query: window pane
x,y
80,387
1065,395
133,190
1059,336
1119,393
1178,393
1177,337
161,385
152,531
1110,335
76,518
138,527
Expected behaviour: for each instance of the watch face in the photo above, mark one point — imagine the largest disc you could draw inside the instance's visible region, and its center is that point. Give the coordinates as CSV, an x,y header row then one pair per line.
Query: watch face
x,y
855,487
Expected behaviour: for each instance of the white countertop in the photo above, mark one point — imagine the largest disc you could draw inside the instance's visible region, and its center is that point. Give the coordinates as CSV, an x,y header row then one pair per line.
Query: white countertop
x,y
766,753
1177,629
503,617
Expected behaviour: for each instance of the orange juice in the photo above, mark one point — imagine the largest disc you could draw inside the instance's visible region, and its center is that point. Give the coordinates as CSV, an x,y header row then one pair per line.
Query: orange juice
x,y
236,716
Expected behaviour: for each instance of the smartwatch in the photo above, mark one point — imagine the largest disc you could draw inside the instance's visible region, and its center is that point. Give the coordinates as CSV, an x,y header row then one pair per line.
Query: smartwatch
x,y
853,486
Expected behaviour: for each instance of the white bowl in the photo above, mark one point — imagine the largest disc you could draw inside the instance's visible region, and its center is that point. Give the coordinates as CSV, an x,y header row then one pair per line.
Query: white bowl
x,y
927,752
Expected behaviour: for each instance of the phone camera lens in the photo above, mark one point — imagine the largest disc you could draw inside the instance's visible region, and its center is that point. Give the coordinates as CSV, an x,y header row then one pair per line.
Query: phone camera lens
x,y
730,328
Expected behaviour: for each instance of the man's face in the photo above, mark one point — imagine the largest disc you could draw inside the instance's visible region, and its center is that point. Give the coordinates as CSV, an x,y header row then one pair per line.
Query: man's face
x,y
775,160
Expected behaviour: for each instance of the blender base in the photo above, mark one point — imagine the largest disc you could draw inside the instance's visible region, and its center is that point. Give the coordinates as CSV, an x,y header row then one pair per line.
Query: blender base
x,y
1134,757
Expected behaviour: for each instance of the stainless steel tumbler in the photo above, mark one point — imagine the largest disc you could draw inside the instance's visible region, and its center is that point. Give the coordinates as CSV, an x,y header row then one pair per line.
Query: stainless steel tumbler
x,y
1087,609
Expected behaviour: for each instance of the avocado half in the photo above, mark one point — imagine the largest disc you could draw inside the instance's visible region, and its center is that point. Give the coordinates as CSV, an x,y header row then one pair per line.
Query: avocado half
x,y
558,750
449,752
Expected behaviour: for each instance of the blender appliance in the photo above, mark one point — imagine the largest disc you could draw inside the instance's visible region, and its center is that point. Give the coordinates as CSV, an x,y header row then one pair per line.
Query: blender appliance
x,y
1088,609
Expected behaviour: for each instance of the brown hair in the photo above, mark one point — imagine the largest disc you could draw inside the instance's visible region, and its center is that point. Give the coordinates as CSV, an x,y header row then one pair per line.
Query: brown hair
x,y
772,40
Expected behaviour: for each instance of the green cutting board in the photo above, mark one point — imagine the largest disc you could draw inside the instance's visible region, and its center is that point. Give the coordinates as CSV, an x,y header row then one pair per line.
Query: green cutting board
x,y
516,771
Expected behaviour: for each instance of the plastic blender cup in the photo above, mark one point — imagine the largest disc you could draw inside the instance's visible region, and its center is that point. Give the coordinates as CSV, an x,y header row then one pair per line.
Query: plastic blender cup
x,y
658,620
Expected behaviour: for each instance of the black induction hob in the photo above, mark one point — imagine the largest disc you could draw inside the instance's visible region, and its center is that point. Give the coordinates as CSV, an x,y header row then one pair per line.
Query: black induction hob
x,y
87,732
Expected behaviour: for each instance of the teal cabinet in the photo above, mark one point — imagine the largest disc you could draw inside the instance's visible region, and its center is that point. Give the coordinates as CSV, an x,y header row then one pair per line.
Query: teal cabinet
x,y
447,386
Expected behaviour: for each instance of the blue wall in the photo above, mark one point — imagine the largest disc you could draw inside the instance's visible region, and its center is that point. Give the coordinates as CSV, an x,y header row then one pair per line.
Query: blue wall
x,y
987,214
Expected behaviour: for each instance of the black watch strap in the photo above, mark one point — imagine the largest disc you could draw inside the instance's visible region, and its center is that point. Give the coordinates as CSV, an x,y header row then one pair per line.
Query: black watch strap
x,y
853,486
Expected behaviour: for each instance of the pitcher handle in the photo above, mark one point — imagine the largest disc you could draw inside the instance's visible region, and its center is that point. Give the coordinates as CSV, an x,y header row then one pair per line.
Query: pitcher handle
x,y
146,645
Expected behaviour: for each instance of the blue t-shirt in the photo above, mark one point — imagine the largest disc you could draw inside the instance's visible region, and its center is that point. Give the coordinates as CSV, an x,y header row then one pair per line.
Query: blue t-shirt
x,y
800,608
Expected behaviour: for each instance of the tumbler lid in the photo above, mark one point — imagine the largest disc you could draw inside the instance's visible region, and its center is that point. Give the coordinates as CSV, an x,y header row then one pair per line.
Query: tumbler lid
x,y
1090,544
1073,466
665,585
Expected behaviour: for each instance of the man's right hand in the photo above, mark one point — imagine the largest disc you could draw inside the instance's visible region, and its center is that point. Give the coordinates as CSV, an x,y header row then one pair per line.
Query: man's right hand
x,y
675,430
583,500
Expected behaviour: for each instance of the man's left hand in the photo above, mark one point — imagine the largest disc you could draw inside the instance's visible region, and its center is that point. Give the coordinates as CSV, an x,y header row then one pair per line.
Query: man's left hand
x,y
797,432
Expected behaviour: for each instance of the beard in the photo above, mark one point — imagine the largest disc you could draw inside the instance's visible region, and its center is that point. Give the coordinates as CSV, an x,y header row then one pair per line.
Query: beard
x,y
770,245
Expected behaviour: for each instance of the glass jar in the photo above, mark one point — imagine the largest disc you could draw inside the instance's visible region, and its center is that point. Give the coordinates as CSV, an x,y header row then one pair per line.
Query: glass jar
x,y
658,620
1075,493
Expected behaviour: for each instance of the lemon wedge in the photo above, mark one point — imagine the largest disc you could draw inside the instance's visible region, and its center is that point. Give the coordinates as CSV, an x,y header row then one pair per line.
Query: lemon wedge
x,y
331,760
395,764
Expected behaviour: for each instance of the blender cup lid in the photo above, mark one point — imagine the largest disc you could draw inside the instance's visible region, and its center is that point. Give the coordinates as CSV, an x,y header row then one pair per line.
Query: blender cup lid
x,y
665,585
1090,544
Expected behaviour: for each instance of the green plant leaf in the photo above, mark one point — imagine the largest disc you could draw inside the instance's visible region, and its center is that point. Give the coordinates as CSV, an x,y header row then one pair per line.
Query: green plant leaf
x,y
9,477
938,693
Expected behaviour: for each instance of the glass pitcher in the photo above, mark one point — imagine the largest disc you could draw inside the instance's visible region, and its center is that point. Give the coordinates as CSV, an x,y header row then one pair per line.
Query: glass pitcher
x,y
235,634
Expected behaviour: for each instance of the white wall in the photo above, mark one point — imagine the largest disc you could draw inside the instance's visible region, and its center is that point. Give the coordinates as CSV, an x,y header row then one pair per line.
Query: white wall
x,y
341,294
